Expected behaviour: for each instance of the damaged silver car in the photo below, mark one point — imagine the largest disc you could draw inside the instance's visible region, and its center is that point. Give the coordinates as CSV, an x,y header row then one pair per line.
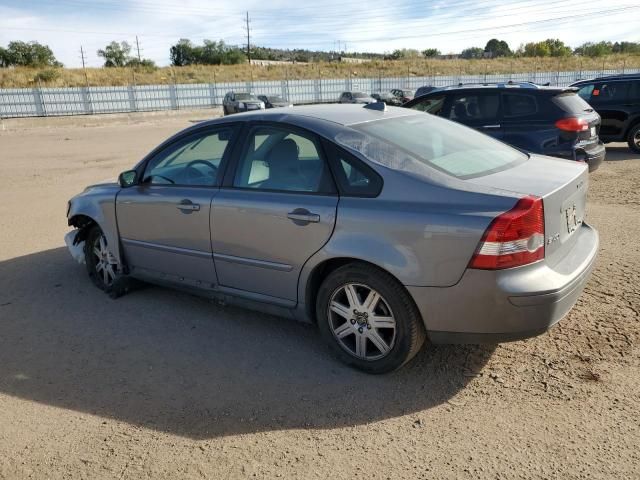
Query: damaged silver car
x,y
384,226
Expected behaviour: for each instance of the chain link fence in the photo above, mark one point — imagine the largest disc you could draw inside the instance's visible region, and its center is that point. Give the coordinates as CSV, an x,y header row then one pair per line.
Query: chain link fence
x,y
42,102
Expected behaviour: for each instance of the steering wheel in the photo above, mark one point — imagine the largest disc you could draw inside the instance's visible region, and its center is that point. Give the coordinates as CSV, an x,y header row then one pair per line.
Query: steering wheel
x,y
193,173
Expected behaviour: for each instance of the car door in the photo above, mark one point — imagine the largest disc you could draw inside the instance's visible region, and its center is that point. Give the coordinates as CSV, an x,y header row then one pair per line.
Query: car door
x,y
611,101
277,207
477,109
163,221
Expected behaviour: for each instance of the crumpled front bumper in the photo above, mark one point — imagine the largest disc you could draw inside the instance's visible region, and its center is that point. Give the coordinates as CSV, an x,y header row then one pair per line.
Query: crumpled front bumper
x,y
76,251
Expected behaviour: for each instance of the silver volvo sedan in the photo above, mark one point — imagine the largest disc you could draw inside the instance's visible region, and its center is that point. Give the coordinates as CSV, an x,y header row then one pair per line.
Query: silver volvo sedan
x,y
382,225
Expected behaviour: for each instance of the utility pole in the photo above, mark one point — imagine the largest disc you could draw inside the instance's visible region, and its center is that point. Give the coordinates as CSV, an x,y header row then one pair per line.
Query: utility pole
x,y
248,39
82,57
138,49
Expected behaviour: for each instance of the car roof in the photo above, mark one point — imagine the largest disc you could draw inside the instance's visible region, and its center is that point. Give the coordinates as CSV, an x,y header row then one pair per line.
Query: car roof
x,y
503,85
610,78
345,115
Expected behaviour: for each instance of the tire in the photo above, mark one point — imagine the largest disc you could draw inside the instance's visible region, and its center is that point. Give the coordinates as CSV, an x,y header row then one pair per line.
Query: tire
x,y
103,269
633,138
357,340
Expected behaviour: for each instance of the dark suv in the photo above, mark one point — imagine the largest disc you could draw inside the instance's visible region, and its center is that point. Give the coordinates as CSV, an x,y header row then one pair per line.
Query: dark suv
x,y
546,120
617,99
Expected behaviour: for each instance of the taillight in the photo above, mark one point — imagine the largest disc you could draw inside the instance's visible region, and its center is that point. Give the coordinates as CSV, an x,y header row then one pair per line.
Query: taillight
x,y
573,124
514,238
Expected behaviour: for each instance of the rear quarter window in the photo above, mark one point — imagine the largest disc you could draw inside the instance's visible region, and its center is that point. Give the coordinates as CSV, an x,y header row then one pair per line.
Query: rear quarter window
x,y
571,103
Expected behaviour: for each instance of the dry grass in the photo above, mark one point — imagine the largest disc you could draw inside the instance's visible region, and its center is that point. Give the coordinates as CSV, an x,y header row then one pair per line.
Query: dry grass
x,y
68,77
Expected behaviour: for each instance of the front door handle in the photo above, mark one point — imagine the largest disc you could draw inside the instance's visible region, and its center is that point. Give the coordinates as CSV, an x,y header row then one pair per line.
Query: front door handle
x,y
303,216
491,126
187,206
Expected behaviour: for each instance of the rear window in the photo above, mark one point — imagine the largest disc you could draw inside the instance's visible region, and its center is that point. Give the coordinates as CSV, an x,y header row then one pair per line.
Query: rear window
x,y
416,142
245,96
571,103
360,95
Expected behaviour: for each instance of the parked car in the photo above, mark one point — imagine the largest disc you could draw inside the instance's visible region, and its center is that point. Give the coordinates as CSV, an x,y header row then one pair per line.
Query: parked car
x,y
386,97
274,101
551,121
616,98
241,102
355,97
424,90
403,95
382,227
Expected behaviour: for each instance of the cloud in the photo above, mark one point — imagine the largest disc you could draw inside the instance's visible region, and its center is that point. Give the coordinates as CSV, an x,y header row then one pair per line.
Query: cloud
x,y
449,26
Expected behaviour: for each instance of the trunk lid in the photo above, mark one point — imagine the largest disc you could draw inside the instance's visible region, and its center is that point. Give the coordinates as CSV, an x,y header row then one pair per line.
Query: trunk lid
x,y
562,185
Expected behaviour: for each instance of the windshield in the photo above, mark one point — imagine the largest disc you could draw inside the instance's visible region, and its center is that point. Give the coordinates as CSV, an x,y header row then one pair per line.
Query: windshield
x,y
414,142
275,98
245,96
359,95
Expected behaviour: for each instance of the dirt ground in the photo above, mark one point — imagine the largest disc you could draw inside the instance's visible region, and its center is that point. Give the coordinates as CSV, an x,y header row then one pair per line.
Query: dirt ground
x,y
160,384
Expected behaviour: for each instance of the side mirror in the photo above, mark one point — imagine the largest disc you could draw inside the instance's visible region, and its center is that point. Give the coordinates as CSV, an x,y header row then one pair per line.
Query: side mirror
x,y
128,178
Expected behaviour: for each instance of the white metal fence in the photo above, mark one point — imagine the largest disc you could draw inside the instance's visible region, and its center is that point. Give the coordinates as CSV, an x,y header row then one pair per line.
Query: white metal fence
x,y
40,102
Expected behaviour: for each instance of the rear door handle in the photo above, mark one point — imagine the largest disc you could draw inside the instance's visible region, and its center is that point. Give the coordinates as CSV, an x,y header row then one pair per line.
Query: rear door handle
x,y
491,126
187,206
303,215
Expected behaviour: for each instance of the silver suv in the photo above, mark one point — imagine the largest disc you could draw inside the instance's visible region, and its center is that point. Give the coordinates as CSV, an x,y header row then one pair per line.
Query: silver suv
x,y
241,102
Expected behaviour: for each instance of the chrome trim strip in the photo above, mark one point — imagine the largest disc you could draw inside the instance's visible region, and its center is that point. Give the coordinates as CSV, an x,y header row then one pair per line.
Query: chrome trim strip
x,y
281,267
166,248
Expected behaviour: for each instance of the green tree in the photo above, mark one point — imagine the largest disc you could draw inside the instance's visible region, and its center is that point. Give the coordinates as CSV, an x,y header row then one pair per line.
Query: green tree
x,y
116,54
547,48
473,52
536,49
182,53
626,47
28,54
4,58
591,49
557,48
497,48
431,52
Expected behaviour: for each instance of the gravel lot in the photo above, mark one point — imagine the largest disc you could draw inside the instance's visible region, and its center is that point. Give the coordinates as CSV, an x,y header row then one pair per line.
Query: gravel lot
x,y
160,384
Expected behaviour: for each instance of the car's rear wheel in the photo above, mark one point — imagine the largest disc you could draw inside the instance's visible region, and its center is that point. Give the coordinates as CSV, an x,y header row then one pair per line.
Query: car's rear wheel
x,y
633,139
104,270
368,318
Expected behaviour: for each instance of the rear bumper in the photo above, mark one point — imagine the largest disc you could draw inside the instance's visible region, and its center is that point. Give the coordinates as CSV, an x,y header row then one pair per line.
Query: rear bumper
x,y
592,155
511,304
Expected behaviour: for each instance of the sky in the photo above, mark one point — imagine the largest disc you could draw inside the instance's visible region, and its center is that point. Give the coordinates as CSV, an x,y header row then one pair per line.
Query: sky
x,y
359,25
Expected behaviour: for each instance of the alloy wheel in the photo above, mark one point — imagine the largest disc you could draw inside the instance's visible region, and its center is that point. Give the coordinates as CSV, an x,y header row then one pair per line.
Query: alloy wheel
x,y
106,265
362,321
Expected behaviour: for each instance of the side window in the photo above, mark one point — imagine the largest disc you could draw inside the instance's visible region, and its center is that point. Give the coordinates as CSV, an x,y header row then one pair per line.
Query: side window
x,y
519,105
470,107
585,91
354,178
431,105
613,92
282,160
193,161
